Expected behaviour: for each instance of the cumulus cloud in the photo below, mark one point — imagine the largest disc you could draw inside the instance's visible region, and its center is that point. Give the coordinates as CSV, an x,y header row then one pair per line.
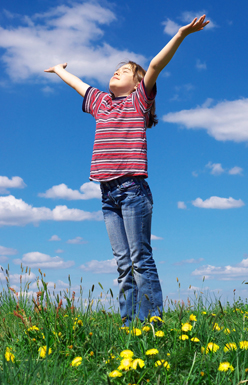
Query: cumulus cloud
x,y
88,190
155,238
225,273
181,205
39,260
16,212
235,171
200,65
77,241
225,121
16,278
189,261
7,251
170,27
14,182
218,203
73,32
100,267
216,168
54,238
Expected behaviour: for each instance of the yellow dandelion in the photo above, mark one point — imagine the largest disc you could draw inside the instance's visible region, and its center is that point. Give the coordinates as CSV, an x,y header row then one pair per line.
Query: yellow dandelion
x,y
192,317
126,329
91,354
126,364
33,328
211,347
203,312
243,345
202,374
77,361
184,337
126,354
230,346
136,332
8,355
43,351
138,362
216,327
159,333
186,327
227,331
195,339
168,354
146,328
151,352
164,363
246,370
155,318
115,373
90,334
213,314
80,322
225,366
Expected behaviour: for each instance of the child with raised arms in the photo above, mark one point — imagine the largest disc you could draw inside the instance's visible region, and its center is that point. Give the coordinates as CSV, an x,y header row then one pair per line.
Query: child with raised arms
x,y
119,163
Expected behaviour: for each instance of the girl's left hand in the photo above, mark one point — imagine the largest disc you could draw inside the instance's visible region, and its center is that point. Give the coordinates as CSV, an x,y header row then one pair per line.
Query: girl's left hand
x,y
194,26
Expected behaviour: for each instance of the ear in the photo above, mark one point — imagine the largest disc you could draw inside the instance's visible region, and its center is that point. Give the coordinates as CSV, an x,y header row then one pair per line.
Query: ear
x,y
136,86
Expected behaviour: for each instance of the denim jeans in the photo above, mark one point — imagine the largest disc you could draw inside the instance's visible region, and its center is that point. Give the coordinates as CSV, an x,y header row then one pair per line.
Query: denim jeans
x,y
127,209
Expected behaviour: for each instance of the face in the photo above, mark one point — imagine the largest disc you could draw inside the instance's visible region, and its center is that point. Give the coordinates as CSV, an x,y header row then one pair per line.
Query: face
x,y
123,83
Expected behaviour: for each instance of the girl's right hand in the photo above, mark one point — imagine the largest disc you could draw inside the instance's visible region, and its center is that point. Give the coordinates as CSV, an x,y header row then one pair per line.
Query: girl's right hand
x,y
58,66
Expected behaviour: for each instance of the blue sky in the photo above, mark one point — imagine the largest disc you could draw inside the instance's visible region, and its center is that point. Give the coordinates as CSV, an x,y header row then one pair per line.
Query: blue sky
x,y
50,214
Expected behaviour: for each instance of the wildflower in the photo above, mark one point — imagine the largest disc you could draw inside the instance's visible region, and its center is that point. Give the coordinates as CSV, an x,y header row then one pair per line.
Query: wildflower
x,y
211,347
243,345
230,346
186,327
156,319
77,361
43,351
195,339
91,354
115,373
213,314
126,354
168,354
32,328
136,332
80,322
224,366
151,352
216,327
227,331
90,334
203,350
8,355
203,312
192,317
146,328
246,370
126,364
159,333
125,328
184,337
162,362
202,374
138,362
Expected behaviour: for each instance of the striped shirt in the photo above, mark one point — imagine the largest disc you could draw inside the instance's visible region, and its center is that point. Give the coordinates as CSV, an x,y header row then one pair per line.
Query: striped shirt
x,y
120,146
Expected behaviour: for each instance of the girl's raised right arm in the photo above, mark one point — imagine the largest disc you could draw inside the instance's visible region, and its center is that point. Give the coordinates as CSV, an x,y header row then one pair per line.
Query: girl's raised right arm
x,y
72,80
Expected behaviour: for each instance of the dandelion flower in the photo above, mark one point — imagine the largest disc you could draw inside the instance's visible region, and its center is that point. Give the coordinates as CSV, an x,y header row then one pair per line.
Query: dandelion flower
x,y
155,318
8,355
77,361
43,351
138,362
164,363
195,339
230,346
80,322
227,331
186,327
136,332
202,374
192,317
91,353
243,345
216,327
224,366
126,364
126,354
146,328
32,328
151,352
115,373
159,333
204,312
184,337
211,347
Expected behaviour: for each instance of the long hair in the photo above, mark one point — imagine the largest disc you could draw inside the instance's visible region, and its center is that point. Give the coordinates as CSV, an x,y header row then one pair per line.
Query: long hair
x,y
138,75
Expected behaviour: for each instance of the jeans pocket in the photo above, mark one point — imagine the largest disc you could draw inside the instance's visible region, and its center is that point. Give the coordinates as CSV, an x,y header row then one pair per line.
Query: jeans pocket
x,y
147,191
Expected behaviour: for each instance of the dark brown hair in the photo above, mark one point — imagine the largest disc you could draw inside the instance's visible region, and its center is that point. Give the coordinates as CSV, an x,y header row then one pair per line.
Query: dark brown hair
x,y
138,74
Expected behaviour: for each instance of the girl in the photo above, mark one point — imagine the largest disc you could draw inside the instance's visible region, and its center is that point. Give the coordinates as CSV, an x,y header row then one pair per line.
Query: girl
x,y
119,163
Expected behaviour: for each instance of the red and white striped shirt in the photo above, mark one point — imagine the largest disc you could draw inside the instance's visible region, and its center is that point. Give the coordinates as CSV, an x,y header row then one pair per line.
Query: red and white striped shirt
x,y
120,146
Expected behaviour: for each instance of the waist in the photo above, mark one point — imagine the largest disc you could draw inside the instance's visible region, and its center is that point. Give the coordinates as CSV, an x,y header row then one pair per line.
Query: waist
x,y
118,181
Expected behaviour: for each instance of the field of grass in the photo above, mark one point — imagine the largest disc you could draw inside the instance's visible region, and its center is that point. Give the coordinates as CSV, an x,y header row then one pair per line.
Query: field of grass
x,y
58,339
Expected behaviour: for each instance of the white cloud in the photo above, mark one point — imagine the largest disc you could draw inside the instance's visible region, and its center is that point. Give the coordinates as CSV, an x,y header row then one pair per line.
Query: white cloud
x,y
14,182
59,251
155,238
200,66
181,205
16,212
89,190
218,203
39,260
16,278
225,121
189,16
100,267
189,261
76,241
171,27
54,238
115,282
229,272
235,171
3,259
71,32
216,168
7,251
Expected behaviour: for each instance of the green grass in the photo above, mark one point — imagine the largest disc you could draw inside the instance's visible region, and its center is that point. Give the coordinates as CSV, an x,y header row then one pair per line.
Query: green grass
x,y
68,330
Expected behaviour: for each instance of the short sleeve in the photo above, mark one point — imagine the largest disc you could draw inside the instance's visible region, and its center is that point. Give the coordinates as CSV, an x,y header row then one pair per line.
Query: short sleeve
x,y
92,101
145,102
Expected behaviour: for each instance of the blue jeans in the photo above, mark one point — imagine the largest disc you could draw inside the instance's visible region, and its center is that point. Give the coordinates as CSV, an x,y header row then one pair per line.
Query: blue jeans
x,y
127,210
